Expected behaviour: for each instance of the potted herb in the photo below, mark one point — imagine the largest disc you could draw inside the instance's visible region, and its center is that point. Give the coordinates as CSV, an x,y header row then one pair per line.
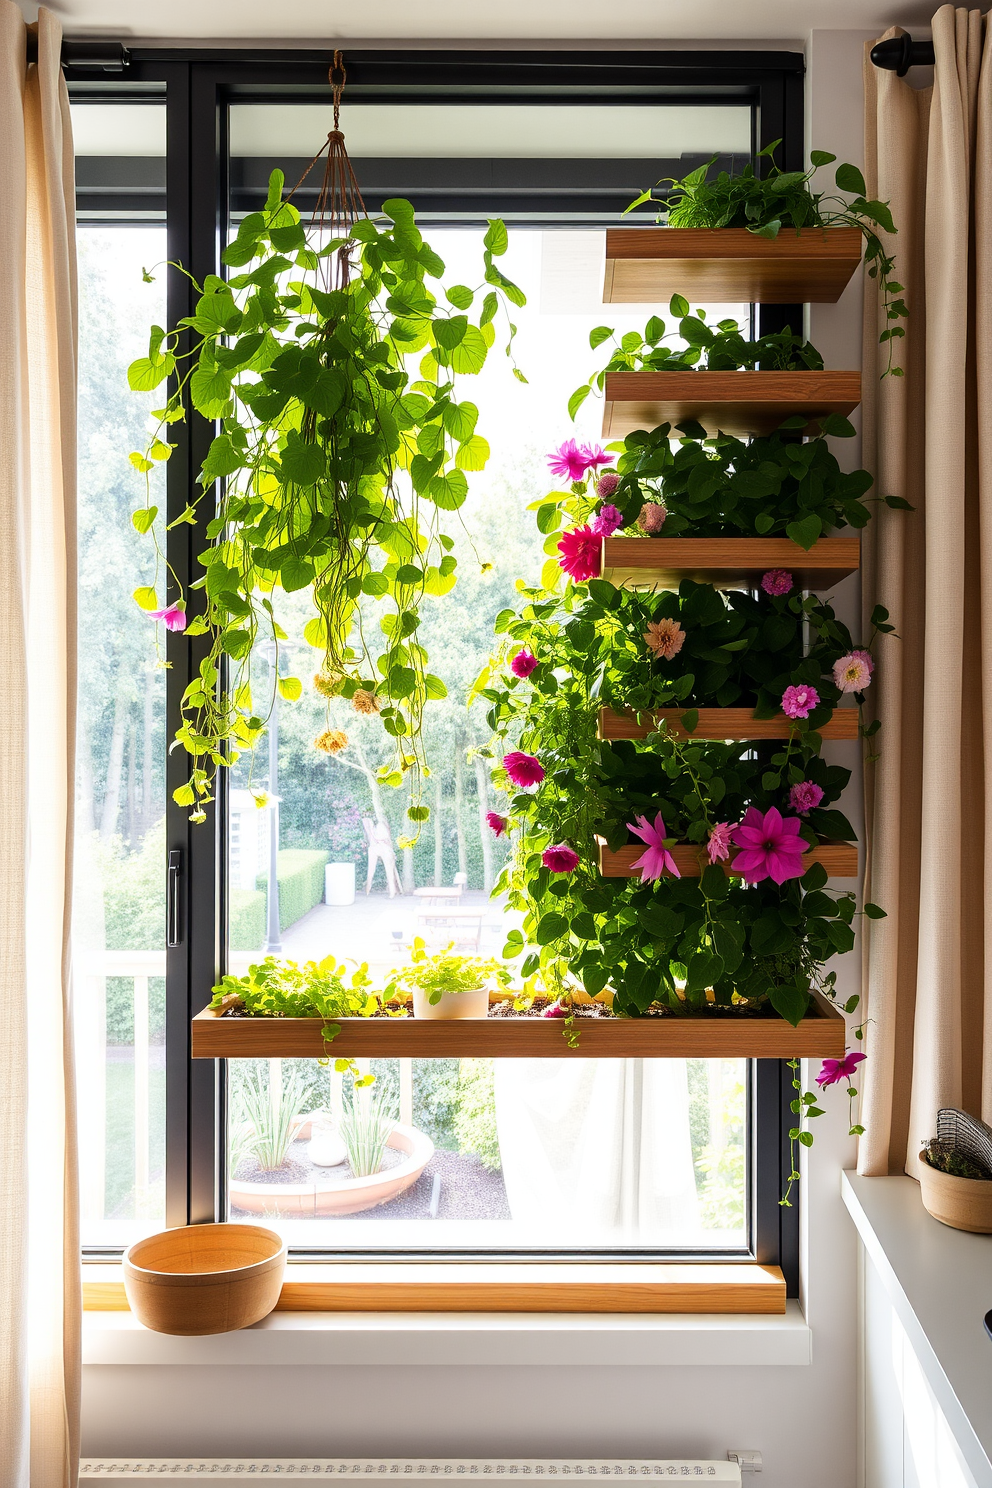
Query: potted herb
x,y
955,1188
446,984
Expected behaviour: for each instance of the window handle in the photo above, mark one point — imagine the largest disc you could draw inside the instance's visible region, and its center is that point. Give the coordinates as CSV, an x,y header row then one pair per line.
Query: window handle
x,y
172,934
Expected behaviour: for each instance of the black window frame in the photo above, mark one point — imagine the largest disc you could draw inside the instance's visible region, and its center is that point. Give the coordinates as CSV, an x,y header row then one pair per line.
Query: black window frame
x,y
196,86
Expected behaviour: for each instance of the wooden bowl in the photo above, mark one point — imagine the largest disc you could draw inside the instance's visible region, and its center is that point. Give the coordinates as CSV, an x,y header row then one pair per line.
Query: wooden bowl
x,y
207,1278
961,1203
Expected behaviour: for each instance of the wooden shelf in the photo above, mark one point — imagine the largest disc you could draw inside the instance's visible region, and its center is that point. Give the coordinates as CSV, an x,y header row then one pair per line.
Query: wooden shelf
x,y
821,1033
719,723
729,265
729,402
839,858
728,562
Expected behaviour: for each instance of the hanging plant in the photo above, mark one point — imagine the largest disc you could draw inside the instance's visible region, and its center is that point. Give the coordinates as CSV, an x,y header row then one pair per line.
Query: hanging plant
x,y
331,360
765,204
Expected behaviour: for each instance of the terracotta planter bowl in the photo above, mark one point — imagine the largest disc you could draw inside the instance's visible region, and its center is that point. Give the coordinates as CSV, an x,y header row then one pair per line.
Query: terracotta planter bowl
x,y
471,1004
961,1203
342,1195
209,1278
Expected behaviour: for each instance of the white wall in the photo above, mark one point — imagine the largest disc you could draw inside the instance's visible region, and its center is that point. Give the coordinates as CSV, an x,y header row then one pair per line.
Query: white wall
x,y
802,1419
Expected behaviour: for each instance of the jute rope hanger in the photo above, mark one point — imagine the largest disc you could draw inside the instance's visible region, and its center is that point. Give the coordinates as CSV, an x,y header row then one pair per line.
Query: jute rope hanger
x,y
339,203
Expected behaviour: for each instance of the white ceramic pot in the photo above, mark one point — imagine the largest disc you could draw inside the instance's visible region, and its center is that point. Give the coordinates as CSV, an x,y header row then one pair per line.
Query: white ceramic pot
x,y
326,1149
470,1004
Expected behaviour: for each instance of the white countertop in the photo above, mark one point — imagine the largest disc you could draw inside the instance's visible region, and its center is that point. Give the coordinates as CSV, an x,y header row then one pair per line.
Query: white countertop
x,y
463,1338
939,1281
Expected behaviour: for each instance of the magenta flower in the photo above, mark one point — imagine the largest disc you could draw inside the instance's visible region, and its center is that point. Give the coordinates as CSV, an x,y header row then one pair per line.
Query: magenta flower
x,y
852,673
581,554
799,702
173,617
720,839
771,846
561,858
776,581
657,859
524,770
573,461
607,522
497,824
805,797
555,1010
523,663
607,484
651,517
833,1071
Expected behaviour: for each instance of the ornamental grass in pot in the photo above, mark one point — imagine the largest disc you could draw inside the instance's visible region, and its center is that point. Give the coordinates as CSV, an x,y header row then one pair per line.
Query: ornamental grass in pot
x,y
446,984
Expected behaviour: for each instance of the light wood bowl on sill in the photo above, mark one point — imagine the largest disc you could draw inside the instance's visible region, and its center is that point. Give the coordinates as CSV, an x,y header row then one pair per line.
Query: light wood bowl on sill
x,y
961,1203
208,1278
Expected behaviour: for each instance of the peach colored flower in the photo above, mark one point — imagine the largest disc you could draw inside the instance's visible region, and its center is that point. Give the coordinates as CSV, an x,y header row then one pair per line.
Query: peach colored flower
x,y
365,702
664,638
331,741
651,518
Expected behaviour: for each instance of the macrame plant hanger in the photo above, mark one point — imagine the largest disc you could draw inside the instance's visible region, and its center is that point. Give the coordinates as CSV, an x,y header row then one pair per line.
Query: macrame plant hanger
x,y
339,202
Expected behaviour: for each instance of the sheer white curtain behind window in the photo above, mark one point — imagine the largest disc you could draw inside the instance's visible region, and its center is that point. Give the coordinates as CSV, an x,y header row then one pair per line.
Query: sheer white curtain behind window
x,y
39,1240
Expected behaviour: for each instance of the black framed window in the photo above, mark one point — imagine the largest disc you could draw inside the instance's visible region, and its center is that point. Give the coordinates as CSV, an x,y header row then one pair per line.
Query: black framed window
x,y
557,144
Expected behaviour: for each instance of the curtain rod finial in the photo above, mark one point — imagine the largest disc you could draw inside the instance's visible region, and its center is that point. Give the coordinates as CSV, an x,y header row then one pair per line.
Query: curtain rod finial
x,y
900,53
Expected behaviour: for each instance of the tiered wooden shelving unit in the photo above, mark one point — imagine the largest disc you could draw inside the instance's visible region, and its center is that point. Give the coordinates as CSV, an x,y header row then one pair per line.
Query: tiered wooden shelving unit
x,y
653,264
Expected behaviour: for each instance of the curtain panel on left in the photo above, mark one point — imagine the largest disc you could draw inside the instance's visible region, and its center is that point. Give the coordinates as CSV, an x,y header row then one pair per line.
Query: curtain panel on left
x,y
39,1242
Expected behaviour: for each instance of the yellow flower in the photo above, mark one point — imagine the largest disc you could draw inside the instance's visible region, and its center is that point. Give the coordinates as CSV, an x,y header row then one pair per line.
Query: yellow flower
x,y
328,684
331,741
365,702
664,638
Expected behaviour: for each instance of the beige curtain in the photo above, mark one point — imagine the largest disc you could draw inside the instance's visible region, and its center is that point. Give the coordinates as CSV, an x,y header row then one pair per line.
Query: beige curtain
x,y
39,1239
927,438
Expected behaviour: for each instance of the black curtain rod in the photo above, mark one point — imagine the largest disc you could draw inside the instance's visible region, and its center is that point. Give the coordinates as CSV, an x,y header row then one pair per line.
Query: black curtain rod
x,y
101,56
900,53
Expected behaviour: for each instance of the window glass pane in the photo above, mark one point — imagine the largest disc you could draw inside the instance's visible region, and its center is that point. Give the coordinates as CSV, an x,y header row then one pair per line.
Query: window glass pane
x,y
119,911
508,1154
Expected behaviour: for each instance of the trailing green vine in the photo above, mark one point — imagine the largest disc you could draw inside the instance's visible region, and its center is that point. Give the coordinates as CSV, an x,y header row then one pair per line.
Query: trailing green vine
x,y
336,458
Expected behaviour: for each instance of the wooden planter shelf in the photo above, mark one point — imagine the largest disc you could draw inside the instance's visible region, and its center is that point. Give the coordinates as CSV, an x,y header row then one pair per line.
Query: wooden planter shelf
x,y
729,402
729,265
719,723
820,1034
728,562
839,858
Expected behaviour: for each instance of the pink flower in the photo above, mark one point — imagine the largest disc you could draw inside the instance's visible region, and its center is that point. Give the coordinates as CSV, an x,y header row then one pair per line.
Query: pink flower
x,y
523,663
555,1010
833,1071
173,617
561,858
573,461
651,517
607,522
607,484
664,638
657,860
852,673
720,839
581,553
497,824
805,797
799,702
523,769
866,657
771,846
776,581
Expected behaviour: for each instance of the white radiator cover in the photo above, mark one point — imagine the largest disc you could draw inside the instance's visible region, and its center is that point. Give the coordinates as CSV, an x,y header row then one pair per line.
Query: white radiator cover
x,y
381,1472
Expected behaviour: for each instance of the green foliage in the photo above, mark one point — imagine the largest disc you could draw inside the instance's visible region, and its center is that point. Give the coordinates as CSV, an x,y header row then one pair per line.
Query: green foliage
x,y
246,919
475,1116
337,459
284,989
765,203
301,883
262,1120
445,971
366,1121
948,1160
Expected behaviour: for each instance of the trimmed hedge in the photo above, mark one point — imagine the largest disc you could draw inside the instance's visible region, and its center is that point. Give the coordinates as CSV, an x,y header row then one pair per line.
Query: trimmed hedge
x,y
301,883
246,919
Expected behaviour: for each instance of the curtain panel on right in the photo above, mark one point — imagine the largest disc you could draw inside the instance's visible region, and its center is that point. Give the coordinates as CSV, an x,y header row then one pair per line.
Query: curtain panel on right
x,y
928,438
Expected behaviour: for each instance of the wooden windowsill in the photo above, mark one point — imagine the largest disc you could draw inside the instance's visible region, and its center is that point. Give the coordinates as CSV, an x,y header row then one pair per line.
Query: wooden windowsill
x,y
477,1287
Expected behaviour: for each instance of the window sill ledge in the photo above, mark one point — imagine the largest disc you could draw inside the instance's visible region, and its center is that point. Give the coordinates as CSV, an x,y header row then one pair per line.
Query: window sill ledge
x,y
422,1339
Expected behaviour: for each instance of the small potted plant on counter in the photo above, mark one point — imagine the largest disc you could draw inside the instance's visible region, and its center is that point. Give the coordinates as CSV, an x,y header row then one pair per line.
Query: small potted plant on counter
x,y
446,984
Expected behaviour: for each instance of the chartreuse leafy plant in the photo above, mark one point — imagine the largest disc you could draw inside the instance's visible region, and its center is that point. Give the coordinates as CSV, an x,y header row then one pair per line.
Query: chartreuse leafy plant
x,y
719,348
333,370
324,989
445,971
765,203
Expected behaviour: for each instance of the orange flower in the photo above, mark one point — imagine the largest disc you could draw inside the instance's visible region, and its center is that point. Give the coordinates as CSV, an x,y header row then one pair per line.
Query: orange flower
x,y
365,702
664,638
331,741
328,684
